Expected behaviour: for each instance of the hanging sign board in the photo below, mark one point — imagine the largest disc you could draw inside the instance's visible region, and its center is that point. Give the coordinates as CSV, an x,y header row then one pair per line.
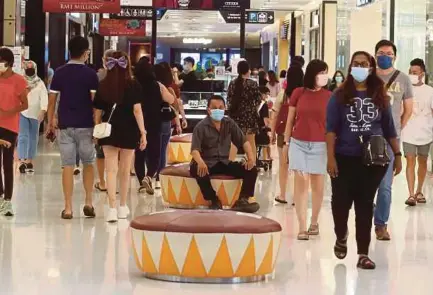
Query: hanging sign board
x,y
122,27
86,6
133,12
251,17
360,3
202,4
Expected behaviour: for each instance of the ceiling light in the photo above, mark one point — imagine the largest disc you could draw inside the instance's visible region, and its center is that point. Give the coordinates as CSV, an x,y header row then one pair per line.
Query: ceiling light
x,y
197,41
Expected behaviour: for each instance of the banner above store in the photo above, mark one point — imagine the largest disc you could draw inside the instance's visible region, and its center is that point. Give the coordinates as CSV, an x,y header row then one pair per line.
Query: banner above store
x,y
87,6
202,4
138,12
251,17
122,27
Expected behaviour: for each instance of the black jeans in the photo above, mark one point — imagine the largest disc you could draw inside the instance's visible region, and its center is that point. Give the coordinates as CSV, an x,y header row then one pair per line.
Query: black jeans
x,y
7,163
358,184
233,169
150,157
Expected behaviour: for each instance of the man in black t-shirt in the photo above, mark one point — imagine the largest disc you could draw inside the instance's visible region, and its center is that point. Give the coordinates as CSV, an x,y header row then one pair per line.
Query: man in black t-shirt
x,y
188,77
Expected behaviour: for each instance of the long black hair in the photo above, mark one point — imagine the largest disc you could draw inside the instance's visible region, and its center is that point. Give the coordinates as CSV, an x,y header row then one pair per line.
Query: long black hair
x,y
243,68
295,79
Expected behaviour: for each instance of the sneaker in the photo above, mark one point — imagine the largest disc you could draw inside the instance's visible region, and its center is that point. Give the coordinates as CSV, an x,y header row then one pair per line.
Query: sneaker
x,y
30,168
216,205
112,215
157,184
77,171
7,208
146,186
22,168
382,233
123,212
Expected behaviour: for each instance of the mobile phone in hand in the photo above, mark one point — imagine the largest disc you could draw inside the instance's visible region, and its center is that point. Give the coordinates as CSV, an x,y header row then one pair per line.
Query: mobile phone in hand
x,y
51,136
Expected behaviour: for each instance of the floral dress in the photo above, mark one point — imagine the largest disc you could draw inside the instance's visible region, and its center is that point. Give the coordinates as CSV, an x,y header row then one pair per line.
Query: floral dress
x,y
246,116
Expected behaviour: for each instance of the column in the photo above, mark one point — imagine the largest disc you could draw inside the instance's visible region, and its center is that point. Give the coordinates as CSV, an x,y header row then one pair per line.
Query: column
x,y
35,34
328,34
283,48
57,34
242,33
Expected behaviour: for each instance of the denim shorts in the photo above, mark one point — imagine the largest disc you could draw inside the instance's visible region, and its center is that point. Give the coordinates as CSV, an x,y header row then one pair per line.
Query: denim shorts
x,y
416,150
73,140
307,157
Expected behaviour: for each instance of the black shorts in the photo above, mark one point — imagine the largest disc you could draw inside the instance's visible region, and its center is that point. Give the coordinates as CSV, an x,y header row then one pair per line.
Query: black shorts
x,y
8,135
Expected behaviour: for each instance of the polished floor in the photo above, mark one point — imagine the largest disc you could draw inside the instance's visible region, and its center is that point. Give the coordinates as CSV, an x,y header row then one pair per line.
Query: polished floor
x,y
42,254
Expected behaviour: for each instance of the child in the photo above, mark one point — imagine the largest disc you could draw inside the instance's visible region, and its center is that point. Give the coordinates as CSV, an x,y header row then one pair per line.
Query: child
x,y
263,137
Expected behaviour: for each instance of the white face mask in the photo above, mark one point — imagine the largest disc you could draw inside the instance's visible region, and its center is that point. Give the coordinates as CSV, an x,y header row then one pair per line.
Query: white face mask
x,y
3,67
414,79
322,80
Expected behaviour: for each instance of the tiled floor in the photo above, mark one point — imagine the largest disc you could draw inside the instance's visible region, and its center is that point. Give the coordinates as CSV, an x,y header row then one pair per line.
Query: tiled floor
x,y
42,254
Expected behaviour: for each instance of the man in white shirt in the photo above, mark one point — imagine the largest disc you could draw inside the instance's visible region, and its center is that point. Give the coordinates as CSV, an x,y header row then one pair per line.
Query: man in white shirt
x,y
417,135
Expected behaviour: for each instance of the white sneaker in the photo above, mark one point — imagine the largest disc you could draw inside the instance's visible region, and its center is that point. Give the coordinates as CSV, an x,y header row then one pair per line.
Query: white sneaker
x,y
112,215
6,208
157,184
123,212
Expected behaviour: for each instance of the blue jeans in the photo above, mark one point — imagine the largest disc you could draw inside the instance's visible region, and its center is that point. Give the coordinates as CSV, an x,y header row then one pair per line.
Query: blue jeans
x,y
76,144
28,138
383,200
165,139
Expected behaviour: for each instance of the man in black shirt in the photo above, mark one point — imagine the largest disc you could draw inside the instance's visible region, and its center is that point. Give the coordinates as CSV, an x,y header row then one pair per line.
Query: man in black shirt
x,y
210,149
188,78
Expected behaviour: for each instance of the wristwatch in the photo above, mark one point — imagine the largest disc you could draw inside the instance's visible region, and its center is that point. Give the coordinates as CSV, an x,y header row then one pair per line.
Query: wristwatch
x,y
399,154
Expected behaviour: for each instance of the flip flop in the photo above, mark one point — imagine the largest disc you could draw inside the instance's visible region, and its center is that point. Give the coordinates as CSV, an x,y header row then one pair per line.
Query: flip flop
x,y
98,187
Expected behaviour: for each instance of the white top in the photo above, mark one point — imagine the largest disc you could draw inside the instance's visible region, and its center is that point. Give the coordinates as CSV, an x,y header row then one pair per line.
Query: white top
x,y
419,129
38,101
275,90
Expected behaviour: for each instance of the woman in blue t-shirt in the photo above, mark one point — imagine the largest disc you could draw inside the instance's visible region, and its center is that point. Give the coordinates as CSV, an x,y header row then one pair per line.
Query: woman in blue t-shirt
x,y
359,109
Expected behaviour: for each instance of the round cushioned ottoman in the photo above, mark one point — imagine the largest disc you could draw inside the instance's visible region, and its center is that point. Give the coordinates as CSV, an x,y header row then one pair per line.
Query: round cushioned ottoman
x,y
179,149
205,246
180,189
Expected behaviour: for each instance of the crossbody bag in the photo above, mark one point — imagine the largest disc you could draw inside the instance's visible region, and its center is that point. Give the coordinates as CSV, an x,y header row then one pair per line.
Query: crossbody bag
x,y
375,149
103,130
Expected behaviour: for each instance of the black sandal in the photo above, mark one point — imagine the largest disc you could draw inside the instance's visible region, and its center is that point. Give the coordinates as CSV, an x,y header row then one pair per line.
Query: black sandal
x,y
340,249
411,201
98,187
420,198
364,262
66,215
278,200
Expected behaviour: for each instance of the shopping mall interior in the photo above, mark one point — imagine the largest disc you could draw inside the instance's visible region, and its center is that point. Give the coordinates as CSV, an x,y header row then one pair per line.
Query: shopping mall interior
x,y
172,242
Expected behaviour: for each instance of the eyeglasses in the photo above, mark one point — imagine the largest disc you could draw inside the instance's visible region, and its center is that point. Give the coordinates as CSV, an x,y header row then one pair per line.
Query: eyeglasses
x,y
361,64
382,53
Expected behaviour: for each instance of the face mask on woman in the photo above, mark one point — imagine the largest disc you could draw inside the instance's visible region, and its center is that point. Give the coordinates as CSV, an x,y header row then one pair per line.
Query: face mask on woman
x,y
30,73
322,80
3,67
360,74
339,79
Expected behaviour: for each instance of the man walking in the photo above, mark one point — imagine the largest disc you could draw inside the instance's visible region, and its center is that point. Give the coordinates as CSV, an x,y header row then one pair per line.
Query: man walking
x,y
400,91
77,84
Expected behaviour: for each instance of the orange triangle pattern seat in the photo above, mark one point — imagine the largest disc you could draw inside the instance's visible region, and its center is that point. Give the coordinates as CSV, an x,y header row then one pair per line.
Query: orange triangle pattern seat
x,y
203,246
179,149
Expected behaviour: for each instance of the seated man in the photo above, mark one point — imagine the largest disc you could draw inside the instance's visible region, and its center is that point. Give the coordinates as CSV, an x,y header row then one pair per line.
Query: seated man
x,y
210,150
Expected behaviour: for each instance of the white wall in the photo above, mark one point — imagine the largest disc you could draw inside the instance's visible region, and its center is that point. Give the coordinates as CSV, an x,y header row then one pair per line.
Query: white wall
x,y
366,28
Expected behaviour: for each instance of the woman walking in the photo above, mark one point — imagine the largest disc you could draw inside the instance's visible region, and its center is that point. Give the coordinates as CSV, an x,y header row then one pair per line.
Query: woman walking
x,y
359,115
305,133
31,118
243,100
118,102
13,89
273,84
280,110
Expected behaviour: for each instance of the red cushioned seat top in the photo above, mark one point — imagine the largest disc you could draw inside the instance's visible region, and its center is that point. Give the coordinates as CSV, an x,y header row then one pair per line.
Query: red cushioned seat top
x,y
187,138
182,170
205,221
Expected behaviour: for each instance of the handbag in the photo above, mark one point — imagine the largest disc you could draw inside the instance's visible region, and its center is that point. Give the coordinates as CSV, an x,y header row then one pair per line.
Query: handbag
x,y
103,130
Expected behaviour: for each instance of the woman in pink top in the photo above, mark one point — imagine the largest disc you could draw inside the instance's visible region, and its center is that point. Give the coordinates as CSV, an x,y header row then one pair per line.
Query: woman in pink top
x,y
305,133
13,93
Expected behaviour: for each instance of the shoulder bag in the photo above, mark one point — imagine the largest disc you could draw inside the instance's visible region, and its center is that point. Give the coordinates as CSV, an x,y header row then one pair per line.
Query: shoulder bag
x,y
103,130
375,149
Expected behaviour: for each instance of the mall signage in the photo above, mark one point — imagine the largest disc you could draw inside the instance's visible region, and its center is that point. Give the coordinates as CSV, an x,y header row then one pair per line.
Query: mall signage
x,y
251,17
122,27
360,3
202,4
133,12
87,6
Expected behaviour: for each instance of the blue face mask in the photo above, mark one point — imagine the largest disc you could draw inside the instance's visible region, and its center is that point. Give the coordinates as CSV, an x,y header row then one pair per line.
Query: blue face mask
x,y
384,62
217,114
339,79
360,74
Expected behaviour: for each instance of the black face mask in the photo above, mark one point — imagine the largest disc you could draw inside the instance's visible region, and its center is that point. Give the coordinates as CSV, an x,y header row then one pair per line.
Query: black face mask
x,y
30,72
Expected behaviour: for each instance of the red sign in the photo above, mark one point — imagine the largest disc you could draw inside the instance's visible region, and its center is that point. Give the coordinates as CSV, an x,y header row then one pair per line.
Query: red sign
x,y
122,27
88,6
